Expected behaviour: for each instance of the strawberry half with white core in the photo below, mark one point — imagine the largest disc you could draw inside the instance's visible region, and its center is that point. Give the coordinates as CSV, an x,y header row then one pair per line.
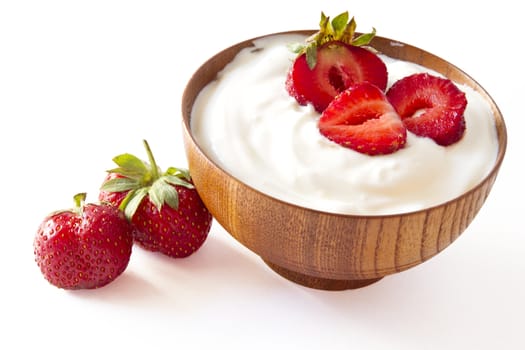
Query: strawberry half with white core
x,y
361,118
85,247
165,208
332,60
430,106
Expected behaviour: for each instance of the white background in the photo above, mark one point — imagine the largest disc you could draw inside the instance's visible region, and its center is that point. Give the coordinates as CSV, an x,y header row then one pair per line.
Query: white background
x,y
83,81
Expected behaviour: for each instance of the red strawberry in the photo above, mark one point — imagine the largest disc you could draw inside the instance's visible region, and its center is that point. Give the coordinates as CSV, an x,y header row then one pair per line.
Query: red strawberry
x,y
361,118
430,106
165,209
331,61
85,247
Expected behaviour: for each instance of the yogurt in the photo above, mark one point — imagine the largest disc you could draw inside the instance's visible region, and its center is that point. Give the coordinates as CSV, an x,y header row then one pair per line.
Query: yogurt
x,y
246,122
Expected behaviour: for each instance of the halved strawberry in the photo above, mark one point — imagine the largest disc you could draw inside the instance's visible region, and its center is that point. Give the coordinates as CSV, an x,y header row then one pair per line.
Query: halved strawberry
x,y
331,61
361,118
430,106
338,66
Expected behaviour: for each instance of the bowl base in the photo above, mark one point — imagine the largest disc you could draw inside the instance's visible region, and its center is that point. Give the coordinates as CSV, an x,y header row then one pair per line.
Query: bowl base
x,y
319,282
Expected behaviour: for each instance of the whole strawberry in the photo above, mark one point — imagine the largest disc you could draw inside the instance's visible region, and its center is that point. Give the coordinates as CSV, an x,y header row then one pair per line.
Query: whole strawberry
x,y
165,208
85,247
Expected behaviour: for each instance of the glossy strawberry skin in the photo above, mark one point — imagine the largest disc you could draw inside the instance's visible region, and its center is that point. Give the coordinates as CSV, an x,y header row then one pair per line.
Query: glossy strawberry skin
x,y
338,66
361,118
174,232
439,103
83,251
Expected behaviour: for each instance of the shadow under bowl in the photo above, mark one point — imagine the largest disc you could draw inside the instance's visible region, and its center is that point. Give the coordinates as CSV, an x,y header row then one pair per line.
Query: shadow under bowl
x,y
324,250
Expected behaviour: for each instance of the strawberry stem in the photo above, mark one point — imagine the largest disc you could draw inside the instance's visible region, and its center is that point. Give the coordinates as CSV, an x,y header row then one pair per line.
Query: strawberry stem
x,y
154,168
79,199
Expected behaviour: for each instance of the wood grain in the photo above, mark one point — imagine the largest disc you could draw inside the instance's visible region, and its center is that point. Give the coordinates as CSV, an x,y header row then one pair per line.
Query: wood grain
x,y
324,250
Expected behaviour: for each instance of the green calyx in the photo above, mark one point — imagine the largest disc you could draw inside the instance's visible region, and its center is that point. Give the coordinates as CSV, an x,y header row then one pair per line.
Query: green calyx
x,y
143,179
339,29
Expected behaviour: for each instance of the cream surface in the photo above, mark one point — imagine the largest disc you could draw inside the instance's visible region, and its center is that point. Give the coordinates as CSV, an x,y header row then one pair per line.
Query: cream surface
x,y
248,124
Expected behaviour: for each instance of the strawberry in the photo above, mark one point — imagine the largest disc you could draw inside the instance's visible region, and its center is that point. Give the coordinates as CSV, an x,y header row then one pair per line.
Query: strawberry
x,y
430,106
85,247
361,118
331,61
165,208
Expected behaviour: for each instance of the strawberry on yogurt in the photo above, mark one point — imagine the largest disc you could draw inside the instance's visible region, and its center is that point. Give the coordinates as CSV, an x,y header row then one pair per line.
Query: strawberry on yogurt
x,y
250,125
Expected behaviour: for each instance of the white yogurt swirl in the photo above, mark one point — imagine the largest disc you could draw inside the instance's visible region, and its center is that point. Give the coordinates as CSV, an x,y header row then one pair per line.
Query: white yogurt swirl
x,y
248,124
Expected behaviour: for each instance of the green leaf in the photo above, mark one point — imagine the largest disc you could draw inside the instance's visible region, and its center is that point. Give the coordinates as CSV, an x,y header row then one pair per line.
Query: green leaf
x,y
171,197
127,172
339,29
339,24
162,192
186,174
156,195
323,23
131,163
177,181
347,35
120,184
364,39
132,201
325,31
181,173
311,55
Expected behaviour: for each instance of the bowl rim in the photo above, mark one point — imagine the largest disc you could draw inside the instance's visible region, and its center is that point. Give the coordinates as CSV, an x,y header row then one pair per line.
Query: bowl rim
x,y
499,124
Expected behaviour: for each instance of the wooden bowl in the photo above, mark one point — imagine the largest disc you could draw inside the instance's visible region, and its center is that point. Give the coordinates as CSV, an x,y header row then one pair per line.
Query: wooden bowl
x,y
324,250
